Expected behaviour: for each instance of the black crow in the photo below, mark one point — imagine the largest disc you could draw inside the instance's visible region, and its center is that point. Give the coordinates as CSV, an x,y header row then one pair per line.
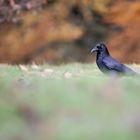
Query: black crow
x,y
107,64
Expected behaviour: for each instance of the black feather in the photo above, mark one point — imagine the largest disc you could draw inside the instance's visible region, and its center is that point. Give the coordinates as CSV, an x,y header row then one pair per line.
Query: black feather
x,y
107,64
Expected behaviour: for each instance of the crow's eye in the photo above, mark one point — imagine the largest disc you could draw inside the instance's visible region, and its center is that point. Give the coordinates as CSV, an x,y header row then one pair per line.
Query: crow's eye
x,y
99,47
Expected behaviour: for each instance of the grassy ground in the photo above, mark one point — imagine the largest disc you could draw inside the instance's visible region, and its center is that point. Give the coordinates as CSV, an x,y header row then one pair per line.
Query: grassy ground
x,y
70,102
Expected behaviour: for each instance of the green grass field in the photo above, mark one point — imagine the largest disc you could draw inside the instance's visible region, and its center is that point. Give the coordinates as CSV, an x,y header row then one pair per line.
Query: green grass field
x,y
67,102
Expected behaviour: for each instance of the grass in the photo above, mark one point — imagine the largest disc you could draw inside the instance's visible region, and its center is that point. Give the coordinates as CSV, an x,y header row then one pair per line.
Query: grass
x,y
68,102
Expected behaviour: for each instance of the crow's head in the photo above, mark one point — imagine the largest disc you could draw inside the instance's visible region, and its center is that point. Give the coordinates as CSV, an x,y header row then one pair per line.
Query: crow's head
x,y
100,48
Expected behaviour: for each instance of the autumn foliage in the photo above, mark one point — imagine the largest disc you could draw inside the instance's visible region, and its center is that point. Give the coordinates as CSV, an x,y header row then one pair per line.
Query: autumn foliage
x,y
61,31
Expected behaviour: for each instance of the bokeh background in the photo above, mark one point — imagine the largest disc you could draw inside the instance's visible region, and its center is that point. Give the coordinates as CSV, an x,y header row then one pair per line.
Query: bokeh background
x,y
62,31
64,99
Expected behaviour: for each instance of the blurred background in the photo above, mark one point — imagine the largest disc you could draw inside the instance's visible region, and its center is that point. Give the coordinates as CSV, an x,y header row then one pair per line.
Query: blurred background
x,y
72,101
62,31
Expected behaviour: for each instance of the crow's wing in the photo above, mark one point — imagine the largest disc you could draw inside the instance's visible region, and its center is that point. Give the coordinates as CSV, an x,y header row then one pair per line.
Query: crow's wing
x,y
112,64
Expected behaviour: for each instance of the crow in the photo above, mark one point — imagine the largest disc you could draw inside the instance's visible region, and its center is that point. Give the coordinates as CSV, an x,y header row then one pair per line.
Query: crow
x,y
107,64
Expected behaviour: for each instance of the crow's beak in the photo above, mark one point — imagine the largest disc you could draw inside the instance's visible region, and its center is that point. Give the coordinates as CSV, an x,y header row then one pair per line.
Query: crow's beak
x,y
94,50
